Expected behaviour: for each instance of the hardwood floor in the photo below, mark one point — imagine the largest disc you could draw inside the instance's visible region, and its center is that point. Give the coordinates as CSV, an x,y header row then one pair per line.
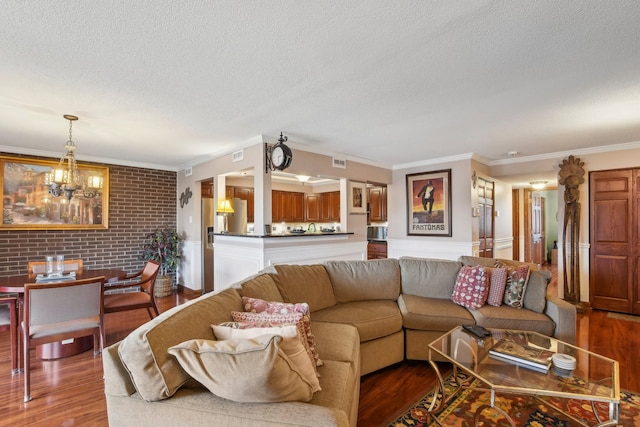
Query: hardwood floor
x,y
69,392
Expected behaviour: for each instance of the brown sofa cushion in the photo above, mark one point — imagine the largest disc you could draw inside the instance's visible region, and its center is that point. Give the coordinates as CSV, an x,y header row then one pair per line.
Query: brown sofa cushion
x,y
535,296
261,286
364,280
155,373
505,317
431,278
432,314
373,319
305,283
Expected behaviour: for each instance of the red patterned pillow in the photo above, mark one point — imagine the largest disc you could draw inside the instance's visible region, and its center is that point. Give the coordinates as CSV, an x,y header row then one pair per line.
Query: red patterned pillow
x,y
497,284
471,287
278,319
255,305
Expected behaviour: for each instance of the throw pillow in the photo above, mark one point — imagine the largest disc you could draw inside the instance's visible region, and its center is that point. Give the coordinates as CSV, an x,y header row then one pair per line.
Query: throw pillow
x,y
497,285
535,297
516,284
291,343
255,305
244,370
277,319
471,288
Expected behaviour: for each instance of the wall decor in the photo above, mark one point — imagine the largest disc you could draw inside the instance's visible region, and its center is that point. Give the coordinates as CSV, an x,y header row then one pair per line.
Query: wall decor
x,y
29,204
357,197
185,196
429,203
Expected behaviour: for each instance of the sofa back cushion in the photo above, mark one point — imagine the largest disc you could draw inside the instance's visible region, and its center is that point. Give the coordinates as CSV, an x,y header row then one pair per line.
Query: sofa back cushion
x,y
155,373
431,278
261,286
364,280
535,297
305,283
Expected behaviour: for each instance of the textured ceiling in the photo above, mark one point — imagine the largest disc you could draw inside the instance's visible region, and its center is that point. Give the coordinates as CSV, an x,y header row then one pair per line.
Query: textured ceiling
x,y
170,82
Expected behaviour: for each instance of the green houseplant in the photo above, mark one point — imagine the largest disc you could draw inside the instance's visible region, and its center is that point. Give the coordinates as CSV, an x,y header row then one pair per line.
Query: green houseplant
x,y
164,246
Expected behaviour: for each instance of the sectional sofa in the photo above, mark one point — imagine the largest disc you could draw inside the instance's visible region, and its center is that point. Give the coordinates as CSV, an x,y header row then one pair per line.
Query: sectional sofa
x,y
365,315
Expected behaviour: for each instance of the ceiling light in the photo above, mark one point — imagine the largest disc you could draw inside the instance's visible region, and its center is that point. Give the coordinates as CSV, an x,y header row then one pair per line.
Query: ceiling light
x,y
303,178
538,185
65,178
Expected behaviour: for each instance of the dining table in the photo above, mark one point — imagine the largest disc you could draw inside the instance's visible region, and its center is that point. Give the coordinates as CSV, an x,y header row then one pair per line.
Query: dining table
x,y
56,350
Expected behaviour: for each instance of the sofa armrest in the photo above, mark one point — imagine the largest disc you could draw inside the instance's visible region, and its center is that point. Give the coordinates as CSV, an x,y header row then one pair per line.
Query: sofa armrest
x,y
564,316
116,378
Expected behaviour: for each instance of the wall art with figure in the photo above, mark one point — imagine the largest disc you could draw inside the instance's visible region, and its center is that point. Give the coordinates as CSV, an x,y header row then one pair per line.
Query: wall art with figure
x,y
429,203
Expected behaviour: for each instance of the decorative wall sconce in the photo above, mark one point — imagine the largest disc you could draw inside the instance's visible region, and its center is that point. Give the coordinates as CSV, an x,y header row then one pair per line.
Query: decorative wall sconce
x,y
474,179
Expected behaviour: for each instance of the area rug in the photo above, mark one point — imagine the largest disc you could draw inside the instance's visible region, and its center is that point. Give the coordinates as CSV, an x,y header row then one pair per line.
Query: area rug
x,y
526,411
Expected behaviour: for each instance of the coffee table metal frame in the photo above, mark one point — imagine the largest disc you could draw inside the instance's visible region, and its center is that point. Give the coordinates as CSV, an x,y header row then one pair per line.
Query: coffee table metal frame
x,y
599,374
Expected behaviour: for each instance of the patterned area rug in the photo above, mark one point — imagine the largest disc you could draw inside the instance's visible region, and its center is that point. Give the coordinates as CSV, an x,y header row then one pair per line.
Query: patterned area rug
x,y
526,411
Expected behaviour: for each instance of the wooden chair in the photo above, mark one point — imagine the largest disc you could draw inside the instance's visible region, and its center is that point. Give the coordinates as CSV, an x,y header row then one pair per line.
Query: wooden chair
x,y
143,298
9,322
39,267
56,311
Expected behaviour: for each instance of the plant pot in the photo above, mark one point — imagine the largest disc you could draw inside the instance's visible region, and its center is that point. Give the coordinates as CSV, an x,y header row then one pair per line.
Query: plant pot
x,y
163,286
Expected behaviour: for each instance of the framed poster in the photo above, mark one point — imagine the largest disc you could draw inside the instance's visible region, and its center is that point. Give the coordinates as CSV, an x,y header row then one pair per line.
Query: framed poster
x,y
429,203
27,203
357,199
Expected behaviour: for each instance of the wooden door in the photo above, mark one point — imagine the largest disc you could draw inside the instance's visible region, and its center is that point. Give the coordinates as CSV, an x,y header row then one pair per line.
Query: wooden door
x,y
486,211
515,223
537,229
613,276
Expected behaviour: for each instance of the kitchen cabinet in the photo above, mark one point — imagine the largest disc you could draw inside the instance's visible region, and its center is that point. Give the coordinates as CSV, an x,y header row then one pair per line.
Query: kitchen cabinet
x,y
287,206
312,207
377,197
330,206
376,250
242,193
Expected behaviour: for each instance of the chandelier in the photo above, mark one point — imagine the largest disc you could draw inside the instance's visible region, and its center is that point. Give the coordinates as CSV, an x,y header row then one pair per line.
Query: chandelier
x,y
65,179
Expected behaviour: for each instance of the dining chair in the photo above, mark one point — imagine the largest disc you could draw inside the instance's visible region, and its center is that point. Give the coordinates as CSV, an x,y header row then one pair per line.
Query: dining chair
x,y
142,298
39,267
9,322
57,311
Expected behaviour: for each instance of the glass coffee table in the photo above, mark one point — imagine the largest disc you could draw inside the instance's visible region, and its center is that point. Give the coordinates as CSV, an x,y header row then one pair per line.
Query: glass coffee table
x,y
595,378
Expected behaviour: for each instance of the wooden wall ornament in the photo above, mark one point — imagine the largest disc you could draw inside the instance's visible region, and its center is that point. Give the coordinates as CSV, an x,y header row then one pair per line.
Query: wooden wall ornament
x,y
571,175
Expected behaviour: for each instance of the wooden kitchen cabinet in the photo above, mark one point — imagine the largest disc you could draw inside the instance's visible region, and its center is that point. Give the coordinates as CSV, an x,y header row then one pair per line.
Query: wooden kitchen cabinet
x,y
312,207
242,193
376,250
287,206
377,197
330,206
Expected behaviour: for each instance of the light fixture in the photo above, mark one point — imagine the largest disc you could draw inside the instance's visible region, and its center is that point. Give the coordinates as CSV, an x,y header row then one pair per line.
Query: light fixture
x,y
65,178
224,210
303,178
538,185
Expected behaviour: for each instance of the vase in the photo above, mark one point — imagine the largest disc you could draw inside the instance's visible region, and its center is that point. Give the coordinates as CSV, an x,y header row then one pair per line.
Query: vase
x,y
162,287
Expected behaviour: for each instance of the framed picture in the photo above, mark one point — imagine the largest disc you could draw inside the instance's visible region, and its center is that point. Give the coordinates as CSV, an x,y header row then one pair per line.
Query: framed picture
x,y
429,203
357,197
28,204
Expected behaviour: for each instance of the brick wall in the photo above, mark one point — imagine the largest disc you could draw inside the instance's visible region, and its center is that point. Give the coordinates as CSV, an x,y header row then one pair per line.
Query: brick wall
x,y
139,201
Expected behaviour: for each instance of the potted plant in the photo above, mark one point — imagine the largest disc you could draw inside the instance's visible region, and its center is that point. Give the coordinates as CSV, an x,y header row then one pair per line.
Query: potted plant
x,y
164,246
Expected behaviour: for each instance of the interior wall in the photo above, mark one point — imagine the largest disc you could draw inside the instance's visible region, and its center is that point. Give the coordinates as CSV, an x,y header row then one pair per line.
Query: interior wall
x,y
139,201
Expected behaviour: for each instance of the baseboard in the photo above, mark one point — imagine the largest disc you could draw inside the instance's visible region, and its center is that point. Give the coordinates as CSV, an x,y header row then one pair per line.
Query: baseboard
x,y
188,292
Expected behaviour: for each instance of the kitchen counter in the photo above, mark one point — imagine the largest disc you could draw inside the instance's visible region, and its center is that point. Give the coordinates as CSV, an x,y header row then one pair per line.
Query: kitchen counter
x,y
240,255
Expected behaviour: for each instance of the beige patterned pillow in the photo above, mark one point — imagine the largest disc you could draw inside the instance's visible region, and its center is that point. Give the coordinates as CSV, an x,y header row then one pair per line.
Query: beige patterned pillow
x,y
244,370
291,344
